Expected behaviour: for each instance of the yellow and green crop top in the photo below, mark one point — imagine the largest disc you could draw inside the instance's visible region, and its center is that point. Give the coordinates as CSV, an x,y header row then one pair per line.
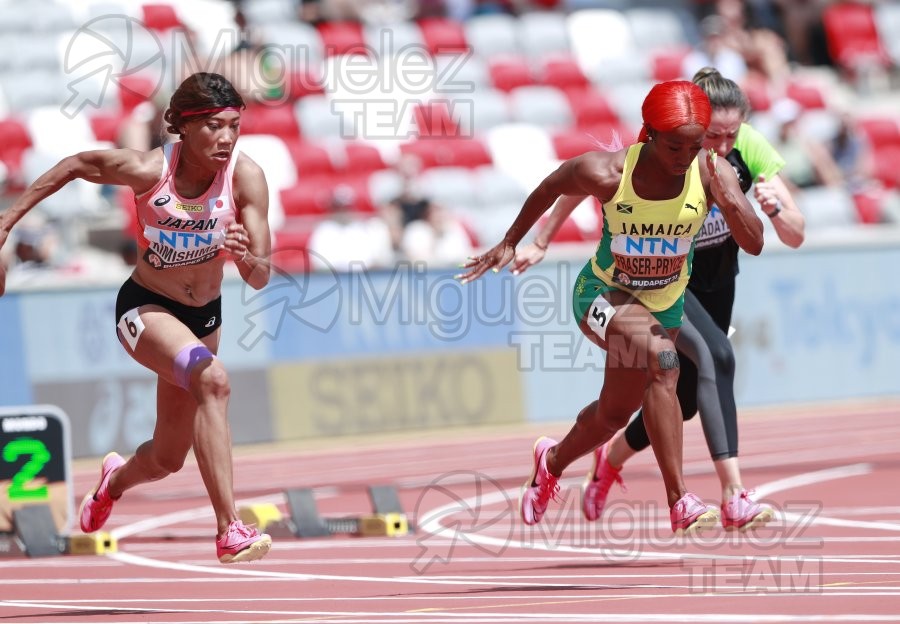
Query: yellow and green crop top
x,y
647,245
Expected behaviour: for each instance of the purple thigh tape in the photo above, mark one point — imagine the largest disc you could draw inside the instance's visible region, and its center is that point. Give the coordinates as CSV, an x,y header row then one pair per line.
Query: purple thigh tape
x,y
186,360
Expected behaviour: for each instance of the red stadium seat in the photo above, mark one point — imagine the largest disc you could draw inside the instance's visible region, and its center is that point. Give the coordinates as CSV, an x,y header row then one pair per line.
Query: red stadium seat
x,y
443,36
757,92
290,249
572,143
310,159
362,158
886,170
806,95
448,152
342,38
278,120
135,89
433,120
509,72
564,73
590,108
881,131
851,35
160,17
569,232
14,140
105,126
311,196
666,64
303,82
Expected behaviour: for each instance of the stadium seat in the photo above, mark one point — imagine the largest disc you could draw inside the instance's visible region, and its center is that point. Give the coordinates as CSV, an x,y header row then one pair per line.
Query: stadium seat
x,y
290,245
480,111
887,21
271,153
666,63
26,91
433,119
105,125
851,35
459,152
495,187
361,158
826,207
451,187
265,12
304,40
522,150
160,17
563,72
657,27
885,165
264,119
541,105
388,39
590,108
509,72
14,140
600,37
303,82
309,158
457,73
443,35
807,95
492,35
318,121
134,89
543,33
881,131
342,38
309,196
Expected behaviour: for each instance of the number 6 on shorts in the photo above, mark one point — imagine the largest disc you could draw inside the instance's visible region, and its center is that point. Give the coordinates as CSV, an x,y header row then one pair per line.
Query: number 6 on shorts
x,y
599,315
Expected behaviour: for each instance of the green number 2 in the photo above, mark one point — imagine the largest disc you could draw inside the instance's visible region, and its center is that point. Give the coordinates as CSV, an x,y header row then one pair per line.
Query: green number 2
x,y
19,490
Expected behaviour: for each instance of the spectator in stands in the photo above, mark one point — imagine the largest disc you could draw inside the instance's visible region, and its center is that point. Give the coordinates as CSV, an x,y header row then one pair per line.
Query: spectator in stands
x,y
144,129
715,50
348,241
410,205
437,238
851,154
808,161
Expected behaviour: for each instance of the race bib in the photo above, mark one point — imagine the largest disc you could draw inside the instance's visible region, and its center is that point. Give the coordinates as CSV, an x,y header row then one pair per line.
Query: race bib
x,y
714,231
648,262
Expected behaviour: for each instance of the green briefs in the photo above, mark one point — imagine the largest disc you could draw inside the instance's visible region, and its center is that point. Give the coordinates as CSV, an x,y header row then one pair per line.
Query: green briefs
x,y
588,287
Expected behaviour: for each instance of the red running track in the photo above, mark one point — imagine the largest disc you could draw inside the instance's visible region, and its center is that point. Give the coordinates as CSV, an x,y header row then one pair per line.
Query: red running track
x,y
833,555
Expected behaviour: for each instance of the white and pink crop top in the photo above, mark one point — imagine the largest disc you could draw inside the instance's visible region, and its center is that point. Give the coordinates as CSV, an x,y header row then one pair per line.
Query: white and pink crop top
x,y
174,231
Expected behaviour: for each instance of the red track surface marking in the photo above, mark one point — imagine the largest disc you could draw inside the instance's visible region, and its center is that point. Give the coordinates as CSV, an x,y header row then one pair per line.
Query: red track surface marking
x,y
832,556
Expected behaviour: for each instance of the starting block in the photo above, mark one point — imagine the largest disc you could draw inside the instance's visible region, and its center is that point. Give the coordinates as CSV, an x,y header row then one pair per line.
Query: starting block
x,y
99,543
36,536
388,518
35,533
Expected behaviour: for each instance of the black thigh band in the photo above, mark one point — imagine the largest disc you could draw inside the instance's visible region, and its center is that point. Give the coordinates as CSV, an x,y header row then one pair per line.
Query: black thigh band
x,y
202,321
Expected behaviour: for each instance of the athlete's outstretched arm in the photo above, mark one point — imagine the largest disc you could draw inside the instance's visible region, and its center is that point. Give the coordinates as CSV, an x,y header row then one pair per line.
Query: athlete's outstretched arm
x,y
777,202
725,190
596,173
139,170
531,254
251,196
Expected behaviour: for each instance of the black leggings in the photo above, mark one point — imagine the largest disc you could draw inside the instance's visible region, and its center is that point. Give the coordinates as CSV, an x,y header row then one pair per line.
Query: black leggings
x,y
707,373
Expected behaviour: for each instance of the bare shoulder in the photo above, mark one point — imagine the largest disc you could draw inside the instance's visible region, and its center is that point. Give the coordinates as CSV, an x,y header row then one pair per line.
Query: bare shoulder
x,y
602,169
247,170
249,181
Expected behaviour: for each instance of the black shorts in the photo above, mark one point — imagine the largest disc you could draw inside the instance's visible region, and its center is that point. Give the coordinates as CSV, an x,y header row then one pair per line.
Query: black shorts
x,y
202,321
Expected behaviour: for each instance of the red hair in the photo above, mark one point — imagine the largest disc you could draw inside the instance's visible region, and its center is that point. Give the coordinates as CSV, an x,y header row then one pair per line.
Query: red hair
x,y
672,104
